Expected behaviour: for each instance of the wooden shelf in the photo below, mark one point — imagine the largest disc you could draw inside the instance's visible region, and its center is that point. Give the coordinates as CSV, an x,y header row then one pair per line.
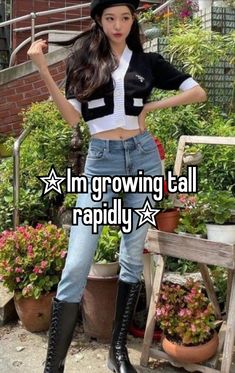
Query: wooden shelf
x,y
191,248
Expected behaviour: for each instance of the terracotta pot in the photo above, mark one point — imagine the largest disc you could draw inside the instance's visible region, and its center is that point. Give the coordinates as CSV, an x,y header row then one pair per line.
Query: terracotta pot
x,y
168,221
191,354
35,314
98,307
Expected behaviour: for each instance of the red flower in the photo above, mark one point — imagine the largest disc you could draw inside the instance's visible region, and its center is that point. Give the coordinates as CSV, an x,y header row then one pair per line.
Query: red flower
x,y
165,187
146,6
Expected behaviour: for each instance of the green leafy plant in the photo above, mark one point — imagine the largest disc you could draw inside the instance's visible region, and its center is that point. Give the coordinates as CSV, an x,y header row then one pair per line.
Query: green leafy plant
x,y
220,278
230,3
180,265
167,203
5,145
217,206
147,15
108,245
69,201
191,219
184,313
32,259
194,47
48,144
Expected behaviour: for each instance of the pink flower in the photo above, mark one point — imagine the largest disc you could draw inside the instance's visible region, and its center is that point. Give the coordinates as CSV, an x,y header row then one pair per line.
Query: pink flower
x,y
39,226
18,279
193,328
182,312
30,249
44,264
158,311
18,270
63,253
37,270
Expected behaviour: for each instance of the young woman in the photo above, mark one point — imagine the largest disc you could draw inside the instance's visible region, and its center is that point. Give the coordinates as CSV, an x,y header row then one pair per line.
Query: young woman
x,y
109,79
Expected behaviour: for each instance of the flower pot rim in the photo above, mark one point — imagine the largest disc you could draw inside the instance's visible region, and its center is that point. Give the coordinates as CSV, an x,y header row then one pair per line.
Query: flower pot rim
x,y
213,336
102,278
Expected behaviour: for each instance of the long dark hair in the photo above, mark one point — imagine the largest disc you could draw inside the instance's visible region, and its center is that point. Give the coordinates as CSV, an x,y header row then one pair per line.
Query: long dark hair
x,y
91,61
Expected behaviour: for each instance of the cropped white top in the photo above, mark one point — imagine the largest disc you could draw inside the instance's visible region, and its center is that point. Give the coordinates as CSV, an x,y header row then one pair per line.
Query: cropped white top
x,y
132,84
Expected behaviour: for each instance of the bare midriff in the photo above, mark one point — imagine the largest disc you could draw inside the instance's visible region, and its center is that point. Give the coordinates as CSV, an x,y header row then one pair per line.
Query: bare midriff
x,y
117,134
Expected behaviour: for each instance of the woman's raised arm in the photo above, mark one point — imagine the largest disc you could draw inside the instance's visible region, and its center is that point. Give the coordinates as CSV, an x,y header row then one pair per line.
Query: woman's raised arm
x,y
67,111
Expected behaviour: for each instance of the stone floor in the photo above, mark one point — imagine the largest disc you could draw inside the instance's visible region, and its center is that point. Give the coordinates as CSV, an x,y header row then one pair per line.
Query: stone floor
x,y
24,352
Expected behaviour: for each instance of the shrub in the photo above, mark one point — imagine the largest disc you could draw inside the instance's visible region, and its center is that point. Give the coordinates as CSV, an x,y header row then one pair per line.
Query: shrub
x,y
31,259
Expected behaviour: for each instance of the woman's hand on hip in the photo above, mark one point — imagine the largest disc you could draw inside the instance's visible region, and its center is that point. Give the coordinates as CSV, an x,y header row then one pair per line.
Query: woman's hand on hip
x,y
142,117
36,54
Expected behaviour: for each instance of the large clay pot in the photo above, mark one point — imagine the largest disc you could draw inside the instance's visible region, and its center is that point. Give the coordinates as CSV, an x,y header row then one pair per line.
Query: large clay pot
x,y
35,314
168,221
98,307
191,354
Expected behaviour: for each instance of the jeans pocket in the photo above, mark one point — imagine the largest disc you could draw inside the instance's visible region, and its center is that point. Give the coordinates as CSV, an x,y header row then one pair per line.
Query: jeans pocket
x,y
95,152
147,146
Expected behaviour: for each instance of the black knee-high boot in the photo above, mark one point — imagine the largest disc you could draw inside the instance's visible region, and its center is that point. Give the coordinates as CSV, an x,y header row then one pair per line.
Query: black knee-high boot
x,y
63,320
127,296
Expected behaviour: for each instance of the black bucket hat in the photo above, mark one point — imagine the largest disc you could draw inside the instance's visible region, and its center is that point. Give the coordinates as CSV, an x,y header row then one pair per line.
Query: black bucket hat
x,y
97,5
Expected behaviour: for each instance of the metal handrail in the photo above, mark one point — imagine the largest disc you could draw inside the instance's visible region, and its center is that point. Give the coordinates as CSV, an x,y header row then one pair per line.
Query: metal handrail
x,y
44,13
16,173
53,23
26,41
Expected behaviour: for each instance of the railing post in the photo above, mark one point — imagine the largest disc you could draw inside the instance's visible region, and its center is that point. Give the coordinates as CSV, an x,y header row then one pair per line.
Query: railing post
x,y
33,17
16,175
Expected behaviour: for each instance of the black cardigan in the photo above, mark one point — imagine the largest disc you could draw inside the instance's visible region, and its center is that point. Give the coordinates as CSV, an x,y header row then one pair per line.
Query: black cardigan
x,y
145,71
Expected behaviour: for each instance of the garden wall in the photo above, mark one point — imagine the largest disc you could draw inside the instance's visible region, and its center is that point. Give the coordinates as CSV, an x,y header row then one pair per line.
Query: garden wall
x,y
21,85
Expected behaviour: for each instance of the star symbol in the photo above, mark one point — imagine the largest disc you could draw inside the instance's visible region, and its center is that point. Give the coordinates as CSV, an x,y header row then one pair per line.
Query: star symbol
x,y
146,214
52,182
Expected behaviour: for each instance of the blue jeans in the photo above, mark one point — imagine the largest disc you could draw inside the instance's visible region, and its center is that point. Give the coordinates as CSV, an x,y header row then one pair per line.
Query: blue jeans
x,y
110,157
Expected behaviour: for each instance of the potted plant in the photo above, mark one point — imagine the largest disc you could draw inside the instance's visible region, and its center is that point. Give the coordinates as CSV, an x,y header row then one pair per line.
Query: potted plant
x,y
105,261
191,221
192,156
148,20
188,322
217,207
98,305
167,220
31,262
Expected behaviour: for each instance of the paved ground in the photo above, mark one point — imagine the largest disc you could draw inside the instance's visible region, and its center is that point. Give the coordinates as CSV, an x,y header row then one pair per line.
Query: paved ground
x,y
24,352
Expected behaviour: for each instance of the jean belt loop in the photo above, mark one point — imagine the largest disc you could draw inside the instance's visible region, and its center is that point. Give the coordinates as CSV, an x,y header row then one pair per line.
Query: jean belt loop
x,y
136,141
107,145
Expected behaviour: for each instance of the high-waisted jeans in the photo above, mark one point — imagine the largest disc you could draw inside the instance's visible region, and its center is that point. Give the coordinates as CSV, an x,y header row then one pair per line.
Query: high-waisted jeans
x,y
110,157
